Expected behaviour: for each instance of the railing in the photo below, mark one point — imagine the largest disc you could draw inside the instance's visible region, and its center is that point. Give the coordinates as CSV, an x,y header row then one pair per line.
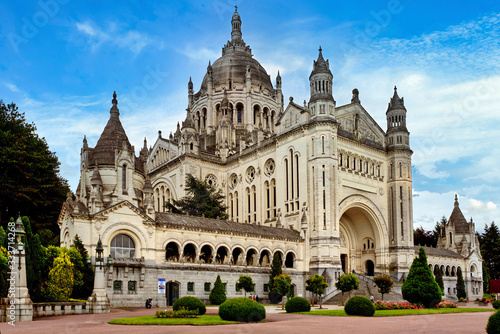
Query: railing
x,y
66,308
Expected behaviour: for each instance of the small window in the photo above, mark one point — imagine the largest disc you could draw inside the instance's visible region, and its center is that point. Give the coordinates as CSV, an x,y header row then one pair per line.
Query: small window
x,y
117,286
236,288
207,287
190,286
131,285
225,287
266,287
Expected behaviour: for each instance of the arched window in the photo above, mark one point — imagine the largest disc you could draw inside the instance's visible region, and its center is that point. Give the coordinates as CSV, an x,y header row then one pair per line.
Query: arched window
x,y
312,147
122,246
323,144
249,203
191,146
268,199
124,176
451,239
273,186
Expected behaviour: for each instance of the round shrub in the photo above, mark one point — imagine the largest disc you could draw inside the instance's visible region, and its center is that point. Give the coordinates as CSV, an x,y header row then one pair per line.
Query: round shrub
x,y
190,303
359,305
493,326
274,296
297,304
242,309
496,304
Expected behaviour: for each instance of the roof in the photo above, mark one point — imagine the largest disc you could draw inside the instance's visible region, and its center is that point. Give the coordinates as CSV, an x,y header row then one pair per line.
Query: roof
x,y
320,65
457,219
431,251
225,227
113,136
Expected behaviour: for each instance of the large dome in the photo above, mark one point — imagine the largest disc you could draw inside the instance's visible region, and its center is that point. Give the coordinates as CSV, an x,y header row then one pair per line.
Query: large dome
x,y
233,65
236,58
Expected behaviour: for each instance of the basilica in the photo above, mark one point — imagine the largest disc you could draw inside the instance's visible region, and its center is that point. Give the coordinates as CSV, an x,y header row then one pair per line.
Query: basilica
x,y
322,185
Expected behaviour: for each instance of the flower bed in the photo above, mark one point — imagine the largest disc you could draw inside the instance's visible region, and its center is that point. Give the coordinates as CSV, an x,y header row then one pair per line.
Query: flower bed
x,y
380,305
181,313
446,304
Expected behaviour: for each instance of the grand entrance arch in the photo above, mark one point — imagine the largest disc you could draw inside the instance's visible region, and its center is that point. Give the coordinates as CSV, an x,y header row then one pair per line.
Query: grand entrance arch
x,y
363,239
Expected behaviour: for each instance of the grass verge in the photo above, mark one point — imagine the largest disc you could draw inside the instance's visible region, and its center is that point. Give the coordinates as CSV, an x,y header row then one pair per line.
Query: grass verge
x,y
393,313
203,320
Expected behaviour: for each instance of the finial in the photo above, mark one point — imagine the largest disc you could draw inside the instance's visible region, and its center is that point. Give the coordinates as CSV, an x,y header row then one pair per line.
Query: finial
x,y
114,108
320,49
145,143
456,197
235,9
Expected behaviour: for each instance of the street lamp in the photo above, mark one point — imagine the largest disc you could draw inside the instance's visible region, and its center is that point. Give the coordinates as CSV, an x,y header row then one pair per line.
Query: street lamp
x,y
99,260
19,232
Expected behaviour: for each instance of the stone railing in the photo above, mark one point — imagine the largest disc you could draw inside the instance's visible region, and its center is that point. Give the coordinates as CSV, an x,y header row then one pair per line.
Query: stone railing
x,y
63,308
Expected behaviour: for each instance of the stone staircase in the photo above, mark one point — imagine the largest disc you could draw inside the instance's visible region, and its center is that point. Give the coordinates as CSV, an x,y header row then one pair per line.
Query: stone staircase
x,y
367,288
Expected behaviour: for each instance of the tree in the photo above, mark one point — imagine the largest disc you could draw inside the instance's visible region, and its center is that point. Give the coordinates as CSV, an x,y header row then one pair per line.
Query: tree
x,y
420,287
438,276
245,282
282,283
218,293
460,285
29,173
4,272
347,283
60,284
490,251
317,285
77,267
84,291
35,260
423,237
276,270
202,199
384,283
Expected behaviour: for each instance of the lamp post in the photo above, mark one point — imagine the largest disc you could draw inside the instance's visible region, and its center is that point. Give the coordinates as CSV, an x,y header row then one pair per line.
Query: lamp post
x,y
99,259
99,301
19,231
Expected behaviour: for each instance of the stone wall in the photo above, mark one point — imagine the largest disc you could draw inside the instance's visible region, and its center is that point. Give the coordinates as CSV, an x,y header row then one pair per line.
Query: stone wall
x,y
66,308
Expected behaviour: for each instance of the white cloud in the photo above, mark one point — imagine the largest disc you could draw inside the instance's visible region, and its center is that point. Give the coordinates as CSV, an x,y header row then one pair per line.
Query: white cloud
x,y
132,40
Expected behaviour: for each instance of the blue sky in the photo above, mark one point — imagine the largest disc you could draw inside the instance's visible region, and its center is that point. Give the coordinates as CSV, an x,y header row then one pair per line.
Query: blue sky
x,y
61,61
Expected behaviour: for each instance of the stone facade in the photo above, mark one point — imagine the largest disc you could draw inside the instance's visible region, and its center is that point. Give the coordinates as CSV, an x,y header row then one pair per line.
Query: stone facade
x,y
322,185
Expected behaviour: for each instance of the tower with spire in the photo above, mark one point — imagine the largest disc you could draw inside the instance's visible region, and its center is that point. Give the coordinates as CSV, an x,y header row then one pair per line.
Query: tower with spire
x,y
321,102
399,180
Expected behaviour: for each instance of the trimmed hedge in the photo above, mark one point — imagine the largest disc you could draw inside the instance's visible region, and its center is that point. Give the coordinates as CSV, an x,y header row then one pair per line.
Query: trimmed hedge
x,y
359,305
190,303
496,304
493,326
242,309
297,304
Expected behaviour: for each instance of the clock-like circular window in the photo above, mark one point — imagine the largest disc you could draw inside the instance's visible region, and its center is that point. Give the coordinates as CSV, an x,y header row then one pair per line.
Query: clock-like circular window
x,y
233,180
269,167
250,174
211,180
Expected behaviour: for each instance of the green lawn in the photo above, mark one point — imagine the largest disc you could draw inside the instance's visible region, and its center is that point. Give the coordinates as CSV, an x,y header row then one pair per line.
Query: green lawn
x,y
202,320
390,313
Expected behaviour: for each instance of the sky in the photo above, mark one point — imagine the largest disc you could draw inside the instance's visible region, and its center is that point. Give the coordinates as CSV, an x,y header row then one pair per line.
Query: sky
x,y
61,60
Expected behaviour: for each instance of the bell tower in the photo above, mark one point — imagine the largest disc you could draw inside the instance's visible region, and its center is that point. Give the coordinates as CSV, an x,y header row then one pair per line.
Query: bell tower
x,y
321,102
399,181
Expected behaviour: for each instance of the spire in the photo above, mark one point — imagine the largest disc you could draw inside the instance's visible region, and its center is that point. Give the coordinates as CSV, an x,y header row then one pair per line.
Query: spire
x,y
190,85
456,200
320,65
85,144
396,102
114,109
278,79
236,26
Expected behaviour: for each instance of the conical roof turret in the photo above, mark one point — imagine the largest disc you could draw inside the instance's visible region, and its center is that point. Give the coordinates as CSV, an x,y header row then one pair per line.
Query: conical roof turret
x,y
320,65
112,137
396,102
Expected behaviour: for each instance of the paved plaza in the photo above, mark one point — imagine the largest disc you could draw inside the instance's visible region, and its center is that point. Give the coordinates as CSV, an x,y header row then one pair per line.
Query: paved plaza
x,y
276,322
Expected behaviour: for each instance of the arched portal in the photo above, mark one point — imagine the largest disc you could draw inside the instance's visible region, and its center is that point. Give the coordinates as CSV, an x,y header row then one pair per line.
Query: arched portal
x,y
172,292
369,268
362,237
